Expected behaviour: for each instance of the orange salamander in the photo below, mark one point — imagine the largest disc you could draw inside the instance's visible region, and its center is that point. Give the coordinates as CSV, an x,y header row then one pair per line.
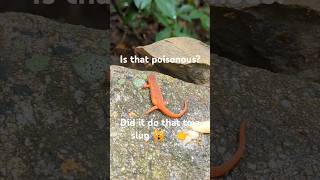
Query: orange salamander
x,y
218,171
158,101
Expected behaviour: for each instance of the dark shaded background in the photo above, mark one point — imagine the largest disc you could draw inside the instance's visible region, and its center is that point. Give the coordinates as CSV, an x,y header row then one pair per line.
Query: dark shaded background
x,y
89,15
84,143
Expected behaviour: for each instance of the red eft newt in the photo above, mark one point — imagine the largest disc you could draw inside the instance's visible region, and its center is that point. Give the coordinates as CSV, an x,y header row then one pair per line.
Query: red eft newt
x,y
218,171
158,101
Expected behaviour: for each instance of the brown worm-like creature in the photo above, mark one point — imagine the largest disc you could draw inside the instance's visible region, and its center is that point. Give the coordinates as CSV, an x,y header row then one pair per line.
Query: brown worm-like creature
x,y
218,171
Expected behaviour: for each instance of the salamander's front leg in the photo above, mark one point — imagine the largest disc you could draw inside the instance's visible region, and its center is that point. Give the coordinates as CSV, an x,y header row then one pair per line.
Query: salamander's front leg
x,y
146,85
151,109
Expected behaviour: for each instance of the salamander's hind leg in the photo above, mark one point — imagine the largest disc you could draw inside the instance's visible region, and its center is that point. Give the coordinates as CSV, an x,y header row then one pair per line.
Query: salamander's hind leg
x,y
146,85
151,109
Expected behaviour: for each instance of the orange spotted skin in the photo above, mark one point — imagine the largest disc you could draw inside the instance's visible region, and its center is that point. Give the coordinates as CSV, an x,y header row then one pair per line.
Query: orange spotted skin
x,y
218,171
158,101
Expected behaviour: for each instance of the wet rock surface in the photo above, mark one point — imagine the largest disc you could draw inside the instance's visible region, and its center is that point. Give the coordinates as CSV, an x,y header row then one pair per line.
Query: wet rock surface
x,y
281,38
52,96
283,122
145,158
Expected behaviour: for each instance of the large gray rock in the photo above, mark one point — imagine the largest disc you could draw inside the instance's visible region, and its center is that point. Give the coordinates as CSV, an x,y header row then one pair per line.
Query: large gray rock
x,y
52,99
280,38
283,122
146,159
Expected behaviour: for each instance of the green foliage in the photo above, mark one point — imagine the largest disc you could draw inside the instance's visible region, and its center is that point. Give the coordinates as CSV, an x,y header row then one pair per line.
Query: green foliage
x,y
176,17
141,4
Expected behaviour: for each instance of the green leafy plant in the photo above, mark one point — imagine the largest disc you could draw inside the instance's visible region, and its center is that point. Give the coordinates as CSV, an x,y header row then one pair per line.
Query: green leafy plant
x,y
175,18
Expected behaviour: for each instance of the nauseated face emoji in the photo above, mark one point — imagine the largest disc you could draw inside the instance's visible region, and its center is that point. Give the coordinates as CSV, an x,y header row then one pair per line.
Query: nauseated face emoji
x,y
158,135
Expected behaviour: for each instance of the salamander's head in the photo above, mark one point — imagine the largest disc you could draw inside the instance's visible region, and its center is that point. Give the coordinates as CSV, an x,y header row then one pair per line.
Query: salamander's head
x,y
152,77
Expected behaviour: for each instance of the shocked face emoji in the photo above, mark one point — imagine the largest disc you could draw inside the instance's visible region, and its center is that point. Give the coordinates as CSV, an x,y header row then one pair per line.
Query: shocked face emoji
x,y
158,135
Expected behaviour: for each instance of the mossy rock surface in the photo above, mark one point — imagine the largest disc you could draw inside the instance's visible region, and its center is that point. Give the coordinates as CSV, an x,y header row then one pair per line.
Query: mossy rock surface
x,y
52,121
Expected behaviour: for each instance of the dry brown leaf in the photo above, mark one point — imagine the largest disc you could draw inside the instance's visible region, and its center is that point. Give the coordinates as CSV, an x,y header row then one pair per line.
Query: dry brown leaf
x,y
202,127
132,114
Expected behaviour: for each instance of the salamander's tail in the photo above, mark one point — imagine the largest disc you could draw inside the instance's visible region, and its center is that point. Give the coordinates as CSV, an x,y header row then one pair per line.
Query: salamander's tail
x,y
185,109
167,112
218,171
